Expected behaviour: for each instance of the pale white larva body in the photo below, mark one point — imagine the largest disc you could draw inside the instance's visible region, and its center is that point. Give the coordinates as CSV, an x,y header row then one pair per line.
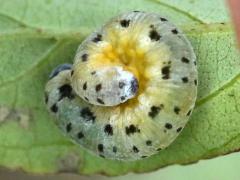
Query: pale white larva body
x,y
131,89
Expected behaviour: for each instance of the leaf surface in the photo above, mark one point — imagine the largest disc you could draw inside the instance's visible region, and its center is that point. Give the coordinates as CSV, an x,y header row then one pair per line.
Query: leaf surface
x,y
36,36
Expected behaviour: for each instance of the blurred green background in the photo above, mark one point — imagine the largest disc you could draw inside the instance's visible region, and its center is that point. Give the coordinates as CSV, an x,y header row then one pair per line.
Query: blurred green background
x,y
221,168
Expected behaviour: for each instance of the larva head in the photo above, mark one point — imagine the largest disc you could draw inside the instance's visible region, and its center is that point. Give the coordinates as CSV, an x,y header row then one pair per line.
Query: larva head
x,y
108,86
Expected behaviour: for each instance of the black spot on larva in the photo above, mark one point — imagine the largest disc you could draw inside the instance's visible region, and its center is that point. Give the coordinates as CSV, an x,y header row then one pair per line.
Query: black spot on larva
x,y
114,149
155,110
134,85
72,72
100,147
125,23
159,149
154,35
102,156
151,26
136,11
121,85
94,72
80,135
86,98
123,98
84,57
65,91
189,112
108,129
54,108
195,63
85,86
163,19
87,115
143,156
148,143
98,87
195,82
179,129
58,69
185,60
176,109
100,101
168,126
46,98
185,79
69,127
175,31
135,149
166,72
97,38
131,129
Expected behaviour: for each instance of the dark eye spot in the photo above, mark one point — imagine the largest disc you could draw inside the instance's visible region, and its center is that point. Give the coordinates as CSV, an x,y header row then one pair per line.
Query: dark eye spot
x,y
148,143
69,127
94,72
98,87
154,36
135,149
121,85
163,19
166,72
159,149
100,147
87,115
114,149
122,98
108,129
86,98
195,63
100,101
179,129
85,86
84,57
175,31
185,79
72,72
97,38
151,26
185,60
54,108
102,156
80,135
168,126
131,129
143,156
124,23
195,82
134,85
46,98
176,109
189,112
65,91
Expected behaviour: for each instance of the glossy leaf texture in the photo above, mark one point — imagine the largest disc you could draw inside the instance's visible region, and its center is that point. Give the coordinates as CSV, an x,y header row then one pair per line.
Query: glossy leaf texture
x,y
36,36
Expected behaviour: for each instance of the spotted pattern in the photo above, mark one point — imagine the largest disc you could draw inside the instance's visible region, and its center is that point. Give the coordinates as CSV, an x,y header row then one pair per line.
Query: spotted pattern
x,y
166,72
139,127
125,23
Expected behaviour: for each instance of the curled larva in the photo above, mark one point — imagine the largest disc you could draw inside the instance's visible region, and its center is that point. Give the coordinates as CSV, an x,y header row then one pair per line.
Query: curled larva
x,y
130,90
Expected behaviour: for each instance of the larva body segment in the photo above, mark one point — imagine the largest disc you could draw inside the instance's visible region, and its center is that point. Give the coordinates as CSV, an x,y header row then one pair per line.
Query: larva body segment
x,y
131,89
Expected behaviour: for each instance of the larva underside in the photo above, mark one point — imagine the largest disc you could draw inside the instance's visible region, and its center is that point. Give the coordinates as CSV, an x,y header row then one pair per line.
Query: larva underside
x,y
131,89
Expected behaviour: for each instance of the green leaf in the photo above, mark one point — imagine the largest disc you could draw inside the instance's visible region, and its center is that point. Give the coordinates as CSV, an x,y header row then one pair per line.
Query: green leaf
x,y
36,36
